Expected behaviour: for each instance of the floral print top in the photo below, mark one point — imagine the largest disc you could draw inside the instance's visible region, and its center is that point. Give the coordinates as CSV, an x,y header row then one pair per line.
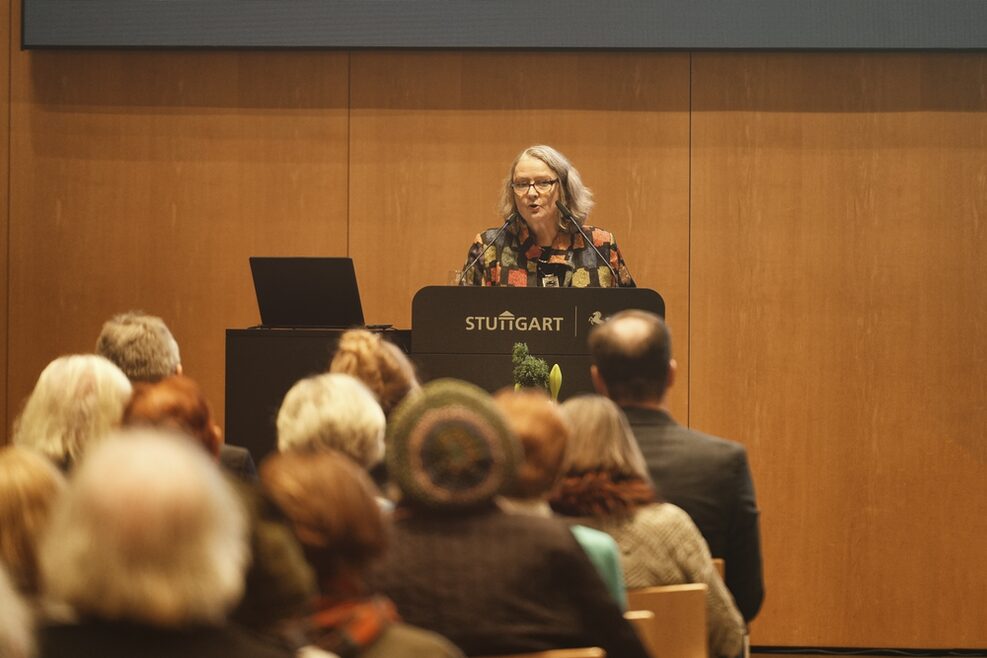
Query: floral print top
x,y
516,259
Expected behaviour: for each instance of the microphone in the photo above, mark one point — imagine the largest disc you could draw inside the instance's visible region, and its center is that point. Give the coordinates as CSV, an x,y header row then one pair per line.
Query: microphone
x,y
469,267
567,214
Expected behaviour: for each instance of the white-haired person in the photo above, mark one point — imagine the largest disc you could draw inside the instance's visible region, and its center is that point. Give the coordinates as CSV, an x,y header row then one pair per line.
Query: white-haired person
x,y
147,549
143,347
543,240
77,400
30,485
606,486
16,622
334,411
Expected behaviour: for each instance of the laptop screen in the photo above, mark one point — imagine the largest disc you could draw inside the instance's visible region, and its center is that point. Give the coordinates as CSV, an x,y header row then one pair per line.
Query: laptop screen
x,y
306,292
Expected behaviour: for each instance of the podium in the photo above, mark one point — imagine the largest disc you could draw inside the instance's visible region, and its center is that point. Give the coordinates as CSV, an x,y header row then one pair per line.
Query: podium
x,y
469,332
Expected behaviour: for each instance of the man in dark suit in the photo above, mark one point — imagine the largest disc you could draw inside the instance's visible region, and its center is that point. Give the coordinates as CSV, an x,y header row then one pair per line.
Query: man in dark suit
x,y
145,350
706,476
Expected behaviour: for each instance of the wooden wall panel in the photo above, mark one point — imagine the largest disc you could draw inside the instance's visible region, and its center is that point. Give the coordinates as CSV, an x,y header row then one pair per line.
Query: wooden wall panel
x,y
838,276
434,133
146,179
6,46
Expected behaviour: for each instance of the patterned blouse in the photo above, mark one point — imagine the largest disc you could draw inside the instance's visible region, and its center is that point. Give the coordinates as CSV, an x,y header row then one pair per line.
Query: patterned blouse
x,y
516,259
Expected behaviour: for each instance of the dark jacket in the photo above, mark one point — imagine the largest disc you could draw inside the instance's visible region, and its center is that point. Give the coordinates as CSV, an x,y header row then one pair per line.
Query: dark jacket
x,y
711,480
101,639
496,583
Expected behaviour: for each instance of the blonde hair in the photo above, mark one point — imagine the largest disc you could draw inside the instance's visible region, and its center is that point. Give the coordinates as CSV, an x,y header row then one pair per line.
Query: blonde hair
x,y
148,530
601,439
16,623
572,192
29,487
332,411
77,400
379,364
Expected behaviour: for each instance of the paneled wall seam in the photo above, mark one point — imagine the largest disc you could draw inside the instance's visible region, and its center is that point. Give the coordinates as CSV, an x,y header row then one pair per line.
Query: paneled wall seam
x,y
5,310
349,146
688,285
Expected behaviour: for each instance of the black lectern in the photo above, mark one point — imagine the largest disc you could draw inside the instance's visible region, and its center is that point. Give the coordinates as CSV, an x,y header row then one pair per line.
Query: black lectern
x,y
468,332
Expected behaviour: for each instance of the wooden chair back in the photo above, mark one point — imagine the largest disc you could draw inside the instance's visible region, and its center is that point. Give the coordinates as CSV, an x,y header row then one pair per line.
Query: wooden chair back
x,y
583,652
678,626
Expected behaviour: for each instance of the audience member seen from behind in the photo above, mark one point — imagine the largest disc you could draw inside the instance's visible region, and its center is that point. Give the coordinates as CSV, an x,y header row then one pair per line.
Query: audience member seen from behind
x,y
606,486
16,623
333,411
378,363
145,350
147,547
543,432
29,486
330,502
540,246
708,477
492,582
77,400
279,583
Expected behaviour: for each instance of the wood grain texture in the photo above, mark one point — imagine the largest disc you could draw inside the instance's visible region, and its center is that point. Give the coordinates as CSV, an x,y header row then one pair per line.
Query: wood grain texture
x,y
839,272
6,47
433,136
145,180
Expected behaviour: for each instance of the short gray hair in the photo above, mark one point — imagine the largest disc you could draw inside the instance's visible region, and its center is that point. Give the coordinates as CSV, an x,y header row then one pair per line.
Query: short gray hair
x,y
77,400
148,530
335,411
141,345
601,439
576,196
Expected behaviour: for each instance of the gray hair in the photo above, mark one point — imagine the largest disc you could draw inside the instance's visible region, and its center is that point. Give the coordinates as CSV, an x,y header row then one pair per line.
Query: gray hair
x,y
16,624
149,530
141,345
601,438
576,196
77,400
335,411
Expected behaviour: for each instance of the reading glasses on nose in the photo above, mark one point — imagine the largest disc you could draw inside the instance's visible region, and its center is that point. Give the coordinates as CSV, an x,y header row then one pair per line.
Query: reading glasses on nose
x,y
541,186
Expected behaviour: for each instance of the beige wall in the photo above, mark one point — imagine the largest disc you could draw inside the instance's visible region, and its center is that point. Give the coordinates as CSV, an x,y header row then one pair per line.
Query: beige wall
x,y
814,222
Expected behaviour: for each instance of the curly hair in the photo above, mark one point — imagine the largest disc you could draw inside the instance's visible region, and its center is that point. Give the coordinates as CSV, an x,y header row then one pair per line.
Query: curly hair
x,y
378,363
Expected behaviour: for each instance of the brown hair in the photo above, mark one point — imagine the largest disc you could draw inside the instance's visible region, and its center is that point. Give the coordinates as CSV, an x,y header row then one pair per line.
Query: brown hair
x,y
29,486
175,402
379,364
331,505
543,432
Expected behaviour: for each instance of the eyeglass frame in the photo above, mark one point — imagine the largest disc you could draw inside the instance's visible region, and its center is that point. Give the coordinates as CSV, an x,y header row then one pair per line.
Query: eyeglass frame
x,y
520,189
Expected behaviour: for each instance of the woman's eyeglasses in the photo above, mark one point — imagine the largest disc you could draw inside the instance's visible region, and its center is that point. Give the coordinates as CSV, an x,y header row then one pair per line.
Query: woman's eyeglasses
x,y
541,186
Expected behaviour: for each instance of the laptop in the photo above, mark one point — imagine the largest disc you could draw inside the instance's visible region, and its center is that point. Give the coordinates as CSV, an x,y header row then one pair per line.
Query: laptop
x,y
306,292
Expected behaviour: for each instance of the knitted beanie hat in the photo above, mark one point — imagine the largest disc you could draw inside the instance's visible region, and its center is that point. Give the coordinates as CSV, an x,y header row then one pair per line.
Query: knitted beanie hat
x,y
449,448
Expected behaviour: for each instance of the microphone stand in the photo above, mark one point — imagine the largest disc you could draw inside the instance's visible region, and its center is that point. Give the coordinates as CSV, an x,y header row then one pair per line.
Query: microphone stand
x,y
567,214
469,267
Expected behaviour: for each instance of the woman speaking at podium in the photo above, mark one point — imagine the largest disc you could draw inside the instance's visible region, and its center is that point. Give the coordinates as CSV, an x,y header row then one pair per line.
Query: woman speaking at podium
x,y
544,240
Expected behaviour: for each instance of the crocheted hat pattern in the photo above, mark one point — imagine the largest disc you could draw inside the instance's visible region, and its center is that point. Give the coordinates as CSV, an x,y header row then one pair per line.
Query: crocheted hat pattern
x,y
449,448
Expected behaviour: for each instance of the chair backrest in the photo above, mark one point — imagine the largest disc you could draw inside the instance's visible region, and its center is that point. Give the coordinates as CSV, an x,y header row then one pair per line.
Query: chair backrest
x,y
585,652
679,623
643,622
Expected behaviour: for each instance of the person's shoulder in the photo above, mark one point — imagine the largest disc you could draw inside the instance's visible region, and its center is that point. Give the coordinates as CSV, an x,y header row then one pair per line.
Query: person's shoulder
x,y
411,642
709,443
